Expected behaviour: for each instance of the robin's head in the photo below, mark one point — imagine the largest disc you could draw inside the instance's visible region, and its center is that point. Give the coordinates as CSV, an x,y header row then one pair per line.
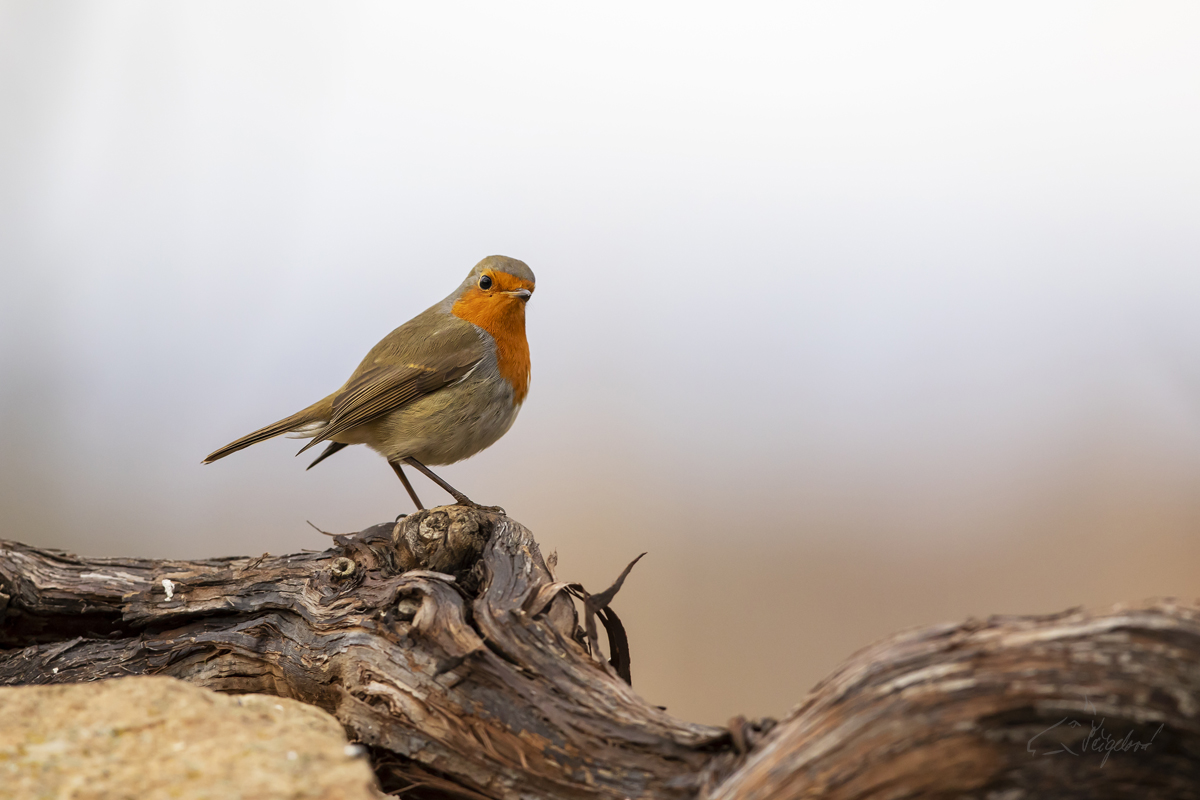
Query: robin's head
x,y
495,291
500,280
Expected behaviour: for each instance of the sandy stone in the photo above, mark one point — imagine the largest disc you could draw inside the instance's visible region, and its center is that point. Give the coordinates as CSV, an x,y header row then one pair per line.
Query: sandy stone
x,y
155,737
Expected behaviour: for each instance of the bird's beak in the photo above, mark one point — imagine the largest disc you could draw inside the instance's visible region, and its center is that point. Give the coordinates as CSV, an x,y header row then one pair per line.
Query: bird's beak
x,y
520,294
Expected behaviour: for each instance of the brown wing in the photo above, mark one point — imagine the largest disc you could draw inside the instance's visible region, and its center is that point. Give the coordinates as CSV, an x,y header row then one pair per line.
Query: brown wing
x,y
380,390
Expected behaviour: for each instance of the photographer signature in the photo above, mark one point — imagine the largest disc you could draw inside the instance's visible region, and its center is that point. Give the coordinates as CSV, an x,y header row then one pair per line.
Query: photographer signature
x,y
1097,739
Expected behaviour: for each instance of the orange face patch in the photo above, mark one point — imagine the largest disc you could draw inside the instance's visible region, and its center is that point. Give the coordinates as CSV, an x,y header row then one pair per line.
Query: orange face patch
x,y
503,316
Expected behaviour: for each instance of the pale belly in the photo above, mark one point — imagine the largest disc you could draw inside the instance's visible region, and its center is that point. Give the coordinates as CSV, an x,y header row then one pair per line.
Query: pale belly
x,y
444,427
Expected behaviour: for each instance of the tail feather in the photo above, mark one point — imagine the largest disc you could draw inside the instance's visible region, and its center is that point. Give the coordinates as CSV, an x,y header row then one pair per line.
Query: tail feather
x,y
300,419
326,453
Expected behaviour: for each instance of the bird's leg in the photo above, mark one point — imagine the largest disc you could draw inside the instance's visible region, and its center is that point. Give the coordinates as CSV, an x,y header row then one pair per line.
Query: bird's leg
x,y
407,486
459,498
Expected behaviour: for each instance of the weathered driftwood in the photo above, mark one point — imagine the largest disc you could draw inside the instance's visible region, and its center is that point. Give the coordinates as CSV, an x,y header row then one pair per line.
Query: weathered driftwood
x,y
445,644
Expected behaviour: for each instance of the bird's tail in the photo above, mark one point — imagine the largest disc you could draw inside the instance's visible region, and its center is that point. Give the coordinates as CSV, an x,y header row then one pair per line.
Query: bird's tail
x,y
308,422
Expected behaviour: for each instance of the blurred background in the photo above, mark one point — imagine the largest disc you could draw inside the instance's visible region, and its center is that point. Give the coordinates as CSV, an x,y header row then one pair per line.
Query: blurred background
x,y
856,316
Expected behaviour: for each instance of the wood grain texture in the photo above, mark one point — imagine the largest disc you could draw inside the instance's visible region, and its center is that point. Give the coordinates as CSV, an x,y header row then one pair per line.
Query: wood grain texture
x,y
446,645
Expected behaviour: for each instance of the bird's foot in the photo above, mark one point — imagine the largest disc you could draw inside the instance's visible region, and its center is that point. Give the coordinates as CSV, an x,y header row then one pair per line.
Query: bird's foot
x,y
466,501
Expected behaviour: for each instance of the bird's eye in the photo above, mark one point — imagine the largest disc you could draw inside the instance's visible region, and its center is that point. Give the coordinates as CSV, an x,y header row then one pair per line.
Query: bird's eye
x,y
485,282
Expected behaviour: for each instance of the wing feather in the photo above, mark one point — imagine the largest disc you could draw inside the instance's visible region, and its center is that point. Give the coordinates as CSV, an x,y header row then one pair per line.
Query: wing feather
x,y
381,390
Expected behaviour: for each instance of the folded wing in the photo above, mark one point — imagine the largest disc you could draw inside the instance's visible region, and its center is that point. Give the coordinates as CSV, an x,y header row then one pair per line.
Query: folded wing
x,y
381,390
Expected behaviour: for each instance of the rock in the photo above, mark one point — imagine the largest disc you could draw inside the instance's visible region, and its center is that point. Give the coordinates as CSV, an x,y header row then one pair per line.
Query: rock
x,y
151,737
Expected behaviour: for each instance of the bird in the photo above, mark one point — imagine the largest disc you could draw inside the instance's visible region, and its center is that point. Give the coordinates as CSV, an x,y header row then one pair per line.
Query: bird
x,y
440,388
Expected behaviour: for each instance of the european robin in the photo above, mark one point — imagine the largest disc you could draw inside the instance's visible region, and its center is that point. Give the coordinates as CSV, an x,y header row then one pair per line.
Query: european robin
x,y
440,388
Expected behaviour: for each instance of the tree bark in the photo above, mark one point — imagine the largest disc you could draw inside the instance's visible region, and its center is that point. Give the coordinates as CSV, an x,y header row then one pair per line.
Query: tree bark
x,y
445,644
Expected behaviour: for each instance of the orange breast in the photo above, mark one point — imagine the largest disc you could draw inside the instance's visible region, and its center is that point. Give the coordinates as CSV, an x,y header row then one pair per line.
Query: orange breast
x,y
504,318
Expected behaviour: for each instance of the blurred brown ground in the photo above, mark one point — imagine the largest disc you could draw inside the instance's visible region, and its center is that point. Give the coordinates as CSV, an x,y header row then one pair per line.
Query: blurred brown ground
x,y
740,607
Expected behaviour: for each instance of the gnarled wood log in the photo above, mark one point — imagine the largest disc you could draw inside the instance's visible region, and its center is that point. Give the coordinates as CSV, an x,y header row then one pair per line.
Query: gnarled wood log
x,y
445,644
